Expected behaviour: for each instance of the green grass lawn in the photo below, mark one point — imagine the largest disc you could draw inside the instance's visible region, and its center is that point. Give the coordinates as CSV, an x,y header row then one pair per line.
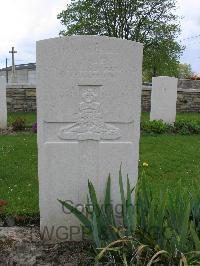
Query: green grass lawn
x,y
18,173
170,159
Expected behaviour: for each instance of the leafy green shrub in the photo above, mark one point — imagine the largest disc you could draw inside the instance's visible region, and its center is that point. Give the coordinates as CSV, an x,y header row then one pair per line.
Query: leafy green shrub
x,y
156,127
154,231
187,127
18,124
183,127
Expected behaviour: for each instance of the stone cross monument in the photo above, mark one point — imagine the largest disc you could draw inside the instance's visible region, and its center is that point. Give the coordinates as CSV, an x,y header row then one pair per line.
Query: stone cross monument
x,y
13,75
89,102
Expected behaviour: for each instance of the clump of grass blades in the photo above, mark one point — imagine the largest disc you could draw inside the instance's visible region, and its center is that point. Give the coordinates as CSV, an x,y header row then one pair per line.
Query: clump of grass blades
x,y
170,223
164,231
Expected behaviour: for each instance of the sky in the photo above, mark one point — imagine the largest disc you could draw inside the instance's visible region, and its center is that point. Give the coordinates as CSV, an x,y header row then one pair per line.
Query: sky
x,y
23,22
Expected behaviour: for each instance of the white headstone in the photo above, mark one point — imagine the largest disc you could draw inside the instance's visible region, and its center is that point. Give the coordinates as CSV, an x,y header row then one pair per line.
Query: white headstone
x,y
89,102
163,99
3,103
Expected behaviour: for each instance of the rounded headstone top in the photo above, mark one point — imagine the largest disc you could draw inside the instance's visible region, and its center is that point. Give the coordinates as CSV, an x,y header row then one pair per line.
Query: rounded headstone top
x,y
164,77
91,38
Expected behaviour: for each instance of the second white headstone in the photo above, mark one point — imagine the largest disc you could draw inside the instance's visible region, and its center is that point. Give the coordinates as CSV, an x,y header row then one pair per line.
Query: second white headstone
x,y
163,99
3,103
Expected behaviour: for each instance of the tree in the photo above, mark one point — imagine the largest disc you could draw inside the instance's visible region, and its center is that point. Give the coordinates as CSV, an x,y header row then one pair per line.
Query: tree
x,y
151,22
185,71
162,59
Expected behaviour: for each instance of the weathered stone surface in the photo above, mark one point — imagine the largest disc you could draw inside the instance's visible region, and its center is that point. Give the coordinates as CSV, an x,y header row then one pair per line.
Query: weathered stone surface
x,y
196,100
188,84
3,104
146,98
23,246
163,99
21,99
31,93
88,125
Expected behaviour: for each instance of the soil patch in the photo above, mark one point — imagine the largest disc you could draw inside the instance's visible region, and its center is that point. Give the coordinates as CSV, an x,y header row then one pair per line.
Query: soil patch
x,y
22,246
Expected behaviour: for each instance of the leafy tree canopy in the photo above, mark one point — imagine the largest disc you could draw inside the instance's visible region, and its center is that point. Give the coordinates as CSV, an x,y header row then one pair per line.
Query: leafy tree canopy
x,y
185,71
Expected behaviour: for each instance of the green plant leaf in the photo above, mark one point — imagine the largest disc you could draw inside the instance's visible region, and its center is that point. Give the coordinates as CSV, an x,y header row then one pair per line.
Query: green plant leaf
x,y
195,236
95,231
185,227
125,222
108,208
82,218
161,252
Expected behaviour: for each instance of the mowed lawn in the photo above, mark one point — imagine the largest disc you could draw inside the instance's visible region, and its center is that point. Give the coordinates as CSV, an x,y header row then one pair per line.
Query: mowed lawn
x,y
170,158
18,173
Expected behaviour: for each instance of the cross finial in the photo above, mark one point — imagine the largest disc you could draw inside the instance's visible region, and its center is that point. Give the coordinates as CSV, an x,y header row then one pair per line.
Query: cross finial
x,y
13,52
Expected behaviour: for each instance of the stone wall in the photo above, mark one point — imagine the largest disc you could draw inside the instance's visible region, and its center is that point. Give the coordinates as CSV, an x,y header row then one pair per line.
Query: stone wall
x,y
146,98
22,98
188,84
188,100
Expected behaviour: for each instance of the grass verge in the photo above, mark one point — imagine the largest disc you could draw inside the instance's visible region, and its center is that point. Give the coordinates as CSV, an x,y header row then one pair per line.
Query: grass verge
x,y
170,159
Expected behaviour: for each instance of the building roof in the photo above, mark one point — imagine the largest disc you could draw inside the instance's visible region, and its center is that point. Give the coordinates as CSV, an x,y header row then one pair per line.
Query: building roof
x,y
21,66
196,76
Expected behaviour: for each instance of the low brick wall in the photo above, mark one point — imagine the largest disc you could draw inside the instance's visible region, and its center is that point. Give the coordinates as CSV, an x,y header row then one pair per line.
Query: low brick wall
x,y
188,100
22,98
188,84
146,98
